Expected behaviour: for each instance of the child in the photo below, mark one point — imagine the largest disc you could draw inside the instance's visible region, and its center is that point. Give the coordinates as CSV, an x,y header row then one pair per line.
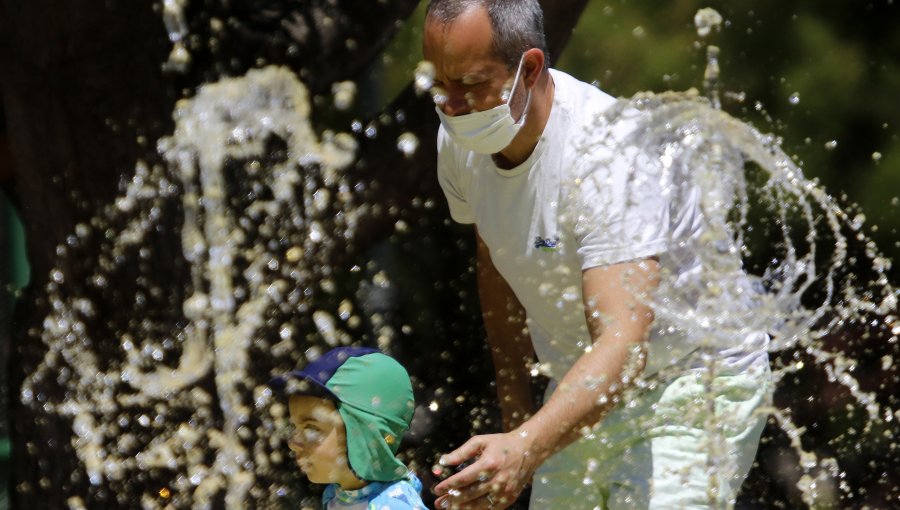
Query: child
x,y
349,410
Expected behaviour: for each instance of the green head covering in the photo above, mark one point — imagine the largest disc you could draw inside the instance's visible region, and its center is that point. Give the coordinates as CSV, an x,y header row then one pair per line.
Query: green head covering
x,y
375,400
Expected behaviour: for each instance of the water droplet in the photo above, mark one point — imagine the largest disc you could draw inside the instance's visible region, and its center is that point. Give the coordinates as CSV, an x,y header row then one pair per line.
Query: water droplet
x,y
321,199
179,58
316,232
294,254
831,145
125,204
706,20
794,98
407,143
876,157
380,279
325,324
173,19
424,77
344,93
438,95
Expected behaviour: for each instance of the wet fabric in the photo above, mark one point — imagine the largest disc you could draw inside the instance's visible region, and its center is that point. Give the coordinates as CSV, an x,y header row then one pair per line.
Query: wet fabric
x,y
376,404
398,495
687,444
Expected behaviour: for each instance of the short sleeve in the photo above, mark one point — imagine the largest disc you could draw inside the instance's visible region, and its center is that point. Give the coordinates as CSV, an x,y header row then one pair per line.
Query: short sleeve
x,y
622,206
452,180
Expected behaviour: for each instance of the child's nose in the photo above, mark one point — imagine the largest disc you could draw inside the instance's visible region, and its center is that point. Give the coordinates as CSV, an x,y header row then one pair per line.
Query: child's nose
x,y
295,446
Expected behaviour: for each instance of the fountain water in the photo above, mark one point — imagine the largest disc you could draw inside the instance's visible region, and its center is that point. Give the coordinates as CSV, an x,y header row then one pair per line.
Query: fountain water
x,y
261,205
256,129
804,295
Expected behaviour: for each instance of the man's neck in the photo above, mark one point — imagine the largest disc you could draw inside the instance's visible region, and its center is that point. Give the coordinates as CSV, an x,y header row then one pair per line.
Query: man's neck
x,y
536,120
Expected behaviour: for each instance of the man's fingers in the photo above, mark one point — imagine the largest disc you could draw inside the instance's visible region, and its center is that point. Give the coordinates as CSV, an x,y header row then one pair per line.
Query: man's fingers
x,y
467,496
463,480
490,501
469,449
476,498
478,472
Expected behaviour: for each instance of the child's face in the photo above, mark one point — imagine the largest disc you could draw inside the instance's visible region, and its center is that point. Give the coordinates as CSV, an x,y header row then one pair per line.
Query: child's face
x,y
320,442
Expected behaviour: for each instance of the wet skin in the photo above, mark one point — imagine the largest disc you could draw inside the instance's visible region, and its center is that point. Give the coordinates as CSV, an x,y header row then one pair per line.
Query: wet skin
x,y
319,441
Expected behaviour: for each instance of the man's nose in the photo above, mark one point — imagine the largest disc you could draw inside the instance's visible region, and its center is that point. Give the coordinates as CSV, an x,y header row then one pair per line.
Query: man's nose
x,y
455,104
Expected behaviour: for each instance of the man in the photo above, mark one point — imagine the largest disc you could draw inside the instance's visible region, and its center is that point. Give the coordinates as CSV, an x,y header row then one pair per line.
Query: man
x,y
576,234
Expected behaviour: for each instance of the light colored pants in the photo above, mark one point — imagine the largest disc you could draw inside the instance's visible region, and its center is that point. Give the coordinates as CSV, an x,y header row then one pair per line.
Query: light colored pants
x,y
687,444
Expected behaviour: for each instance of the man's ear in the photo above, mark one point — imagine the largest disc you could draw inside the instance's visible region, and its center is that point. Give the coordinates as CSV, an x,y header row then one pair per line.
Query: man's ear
x,y
532,66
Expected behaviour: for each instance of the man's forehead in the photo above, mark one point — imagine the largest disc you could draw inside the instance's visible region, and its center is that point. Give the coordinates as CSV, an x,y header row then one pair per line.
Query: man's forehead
x,y
463,45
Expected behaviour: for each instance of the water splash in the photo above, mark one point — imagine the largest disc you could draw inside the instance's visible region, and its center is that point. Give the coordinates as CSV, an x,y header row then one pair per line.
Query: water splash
x,y
424,77
246,261
804,290
344,94
176,26
407,143
706,20
255,260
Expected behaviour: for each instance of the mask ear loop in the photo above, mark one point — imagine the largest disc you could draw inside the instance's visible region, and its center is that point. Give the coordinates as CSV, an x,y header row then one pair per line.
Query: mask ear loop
x,y
515,84
512,91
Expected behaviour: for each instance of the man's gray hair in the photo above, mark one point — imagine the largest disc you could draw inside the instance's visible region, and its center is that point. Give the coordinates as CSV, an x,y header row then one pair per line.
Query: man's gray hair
x,y
517,25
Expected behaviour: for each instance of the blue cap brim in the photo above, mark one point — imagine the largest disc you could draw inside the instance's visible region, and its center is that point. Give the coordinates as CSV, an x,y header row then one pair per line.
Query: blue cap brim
x,y
299,382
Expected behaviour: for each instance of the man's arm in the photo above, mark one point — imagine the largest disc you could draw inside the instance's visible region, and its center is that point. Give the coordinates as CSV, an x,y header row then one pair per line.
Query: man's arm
x,y
618,320
507,336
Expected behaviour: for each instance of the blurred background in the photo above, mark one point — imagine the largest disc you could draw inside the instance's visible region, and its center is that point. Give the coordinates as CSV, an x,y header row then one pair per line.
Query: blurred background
x,y
87,91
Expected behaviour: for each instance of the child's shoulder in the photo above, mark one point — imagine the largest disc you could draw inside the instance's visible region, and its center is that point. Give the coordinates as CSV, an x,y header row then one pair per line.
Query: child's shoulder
x,y
400,495
397,495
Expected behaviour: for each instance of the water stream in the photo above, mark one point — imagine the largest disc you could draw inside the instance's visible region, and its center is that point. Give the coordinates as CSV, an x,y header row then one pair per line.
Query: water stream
x,y
245,264
262,203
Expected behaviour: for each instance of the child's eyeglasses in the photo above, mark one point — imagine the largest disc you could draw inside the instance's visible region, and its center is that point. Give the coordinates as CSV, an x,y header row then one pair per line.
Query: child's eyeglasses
x,y
304,435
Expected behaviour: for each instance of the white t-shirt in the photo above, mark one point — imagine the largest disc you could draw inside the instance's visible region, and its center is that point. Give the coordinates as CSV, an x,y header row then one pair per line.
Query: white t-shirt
x,y
582,199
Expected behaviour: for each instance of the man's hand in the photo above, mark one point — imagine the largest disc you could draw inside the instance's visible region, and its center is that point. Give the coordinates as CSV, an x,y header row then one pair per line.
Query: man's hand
x,y
503,465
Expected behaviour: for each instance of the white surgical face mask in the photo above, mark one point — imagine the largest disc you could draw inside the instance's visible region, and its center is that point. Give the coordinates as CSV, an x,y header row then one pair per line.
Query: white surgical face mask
x,y
489,131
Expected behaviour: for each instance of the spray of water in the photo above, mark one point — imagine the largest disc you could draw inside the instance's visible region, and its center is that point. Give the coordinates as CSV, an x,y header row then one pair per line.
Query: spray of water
x,y
264,205
804,294
280,238
176,26
778,254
